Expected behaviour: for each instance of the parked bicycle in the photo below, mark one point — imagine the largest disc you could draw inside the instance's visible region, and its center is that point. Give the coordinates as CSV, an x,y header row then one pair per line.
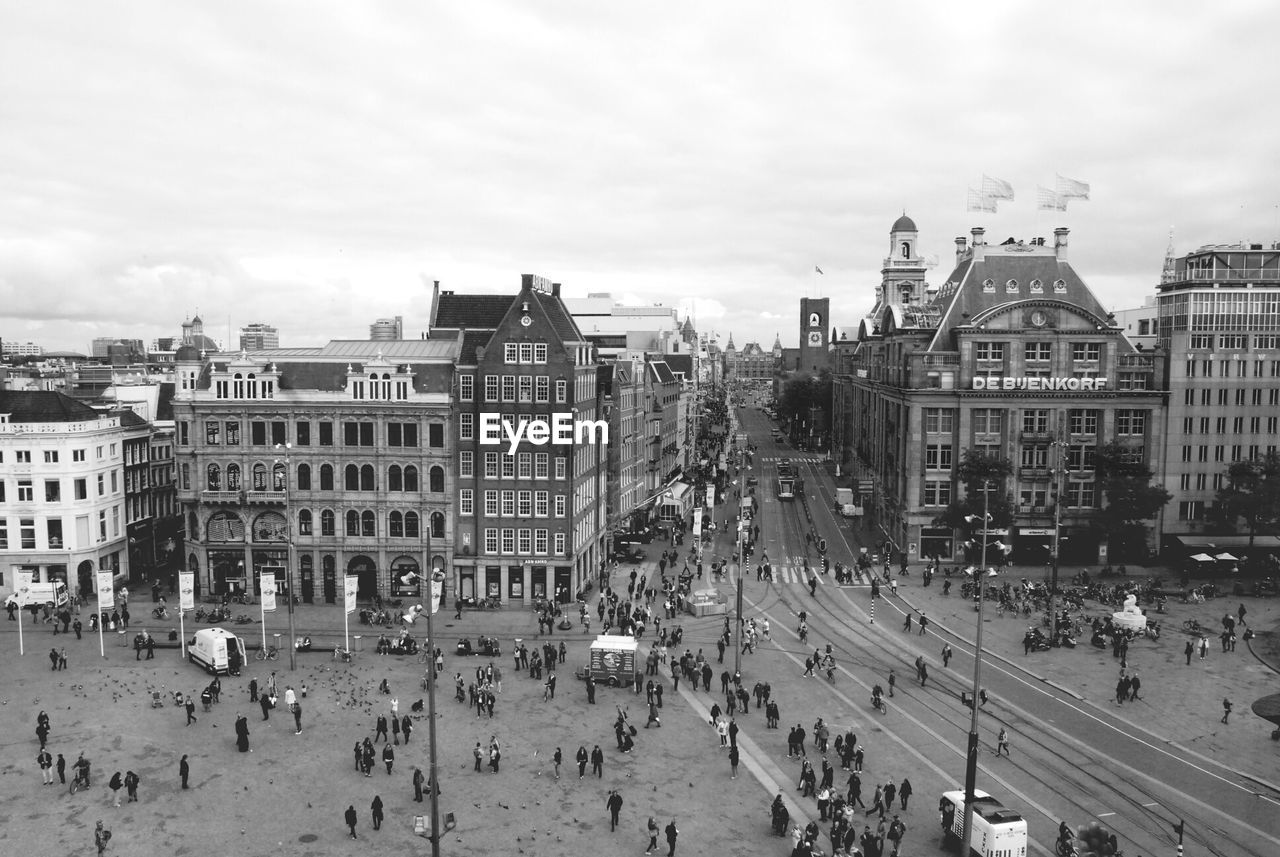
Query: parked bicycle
x,y
341,654
269,653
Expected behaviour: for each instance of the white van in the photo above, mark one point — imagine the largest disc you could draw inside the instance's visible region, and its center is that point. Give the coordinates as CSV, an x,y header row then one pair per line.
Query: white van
x,y
997,830
217,650
53,592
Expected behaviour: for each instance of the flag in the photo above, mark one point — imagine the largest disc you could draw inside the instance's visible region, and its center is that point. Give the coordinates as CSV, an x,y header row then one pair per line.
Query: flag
x,y
350,586
1072,189
819,270
980,202
996,188
1050,200
267,589
186,590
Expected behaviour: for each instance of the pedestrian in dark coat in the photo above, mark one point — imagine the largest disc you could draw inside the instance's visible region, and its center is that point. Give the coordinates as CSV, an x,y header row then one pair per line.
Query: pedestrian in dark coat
x,y
733,763
406,726
418,780
582,759
614,803
242,733
61,767
116,783
672,833
264,702
350,817
375,810
184,770
191,710
904,792
597,761
131,781
253,690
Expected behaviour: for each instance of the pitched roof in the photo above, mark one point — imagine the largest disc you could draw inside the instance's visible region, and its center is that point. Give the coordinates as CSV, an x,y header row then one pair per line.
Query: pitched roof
x,y
558,316
40,406
680,363
485,311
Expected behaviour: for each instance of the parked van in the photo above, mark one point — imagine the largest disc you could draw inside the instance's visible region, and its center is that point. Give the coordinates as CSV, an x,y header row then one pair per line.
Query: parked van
x,y
53,593
217,650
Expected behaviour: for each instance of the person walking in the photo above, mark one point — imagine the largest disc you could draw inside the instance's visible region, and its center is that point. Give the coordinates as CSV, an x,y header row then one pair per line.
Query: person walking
x,y
597,761
556,759
184,770
101,836
388,757
1204,647
242,733
946,655
296,707
672,832
62,769
350,817
924,673
45,760
1226,709
896,831
733,762
581,758
652,829
614,803
406,727
479,755
893,679
904,792
131,781
116,783
375,811
264,702
380,729
1187,650
1002,742
418,780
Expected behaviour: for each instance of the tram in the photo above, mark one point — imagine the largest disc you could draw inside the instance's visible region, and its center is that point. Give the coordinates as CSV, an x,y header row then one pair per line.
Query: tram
x,y
787,484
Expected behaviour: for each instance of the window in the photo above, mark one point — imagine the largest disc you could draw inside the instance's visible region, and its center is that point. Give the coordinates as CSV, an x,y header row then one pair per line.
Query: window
x,y
466,426
541,504
258,433
508,466
1035,457
525,543
1237,425
467,501
990,351
279,433
27,533
524,465
508,388
326,477
1133,381
26,491
368,524
302,433
212,429
988,420
491,465
562,391
466,388
524,504
1184,482
357,434
542,387
1080,421
508,504
939,420
937,492
562,505
491,388
541,461
1202,341
411,525
304,522
1038,352
1035,421
540,542
508,540
491,504
50,456
540,352
351,478
1131,423
526,388
1035,496
560,545
435,480
326,434
1233,340
1191,510
52,491
435,435
402,434
466,464
76,454
81,486
327,522
526,352
1080,495
1081,457
937,456
304,477
1266,343
395,525
4,534
490,540
102,486
510,353
1088,352
560,467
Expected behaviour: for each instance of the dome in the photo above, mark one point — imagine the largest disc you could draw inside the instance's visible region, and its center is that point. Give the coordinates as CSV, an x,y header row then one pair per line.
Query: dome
x,y
904,224
187,354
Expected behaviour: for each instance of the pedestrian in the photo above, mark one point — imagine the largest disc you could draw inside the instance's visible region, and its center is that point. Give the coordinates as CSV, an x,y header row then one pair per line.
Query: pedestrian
x,y
672,833
557,759
495,756
581,758
350,817
614,803
478,754
242,733
924,673
1134,684
597,761
1241,613
101,836
116,783
62,769
395,731
924,623
652,829
1226,709
1002,742
253,689
896,831
77,626
297,718
406,727
45,760
184,770
906,623
877,802
733,763
388,757
418,780
62,658
264,702
1187,650
53,658
904,792
131,781
733,733
375,811
893,679
946,655
1204,647
380,728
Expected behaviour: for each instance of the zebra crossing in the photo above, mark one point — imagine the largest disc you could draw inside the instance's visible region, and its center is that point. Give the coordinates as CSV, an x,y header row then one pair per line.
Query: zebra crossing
x,y
792,458
794,575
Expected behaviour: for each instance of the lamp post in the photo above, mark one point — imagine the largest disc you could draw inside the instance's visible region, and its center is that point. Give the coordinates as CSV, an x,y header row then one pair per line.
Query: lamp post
x,y
971,764
1058,472
437,576
288,556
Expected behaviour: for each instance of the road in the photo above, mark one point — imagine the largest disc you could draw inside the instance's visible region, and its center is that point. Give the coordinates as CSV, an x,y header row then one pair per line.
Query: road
x,y
1071,760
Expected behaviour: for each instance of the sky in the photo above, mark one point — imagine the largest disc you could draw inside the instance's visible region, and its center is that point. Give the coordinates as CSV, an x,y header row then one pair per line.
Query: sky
x,y
317,165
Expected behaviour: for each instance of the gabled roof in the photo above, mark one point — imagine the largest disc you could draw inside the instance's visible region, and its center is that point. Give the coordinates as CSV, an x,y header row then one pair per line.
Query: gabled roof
x,y
661,372
557,315
41,406
680,363
479,311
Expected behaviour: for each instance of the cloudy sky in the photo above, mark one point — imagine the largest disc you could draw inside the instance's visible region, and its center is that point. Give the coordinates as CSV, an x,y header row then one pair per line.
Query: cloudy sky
x,y
315,165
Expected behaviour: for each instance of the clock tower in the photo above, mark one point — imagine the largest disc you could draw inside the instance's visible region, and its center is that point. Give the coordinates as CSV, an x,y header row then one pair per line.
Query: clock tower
x,y
815,324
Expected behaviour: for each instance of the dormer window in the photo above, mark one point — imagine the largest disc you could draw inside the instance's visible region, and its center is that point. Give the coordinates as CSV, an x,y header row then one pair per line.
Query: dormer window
x,y
1011,287
1059,286
1037,286
988,285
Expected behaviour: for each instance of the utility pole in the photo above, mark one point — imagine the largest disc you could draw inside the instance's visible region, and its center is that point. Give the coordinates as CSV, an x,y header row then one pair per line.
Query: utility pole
x,y
1058,472
288,562
971,763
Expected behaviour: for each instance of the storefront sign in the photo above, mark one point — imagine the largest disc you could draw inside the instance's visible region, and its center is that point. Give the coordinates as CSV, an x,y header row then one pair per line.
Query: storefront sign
x,y
1035,531
1074,385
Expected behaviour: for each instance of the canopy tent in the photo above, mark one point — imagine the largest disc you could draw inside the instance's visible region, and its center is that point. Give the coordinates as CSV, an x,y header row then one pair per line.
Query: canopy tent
x,y
1226,557
1202,557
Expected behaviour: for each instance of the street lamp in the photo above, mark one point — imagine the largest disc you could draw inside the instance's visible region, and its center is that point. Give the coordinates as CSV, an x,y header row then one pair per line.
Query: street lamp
x,y
980,576
288,556
437,577
1058,472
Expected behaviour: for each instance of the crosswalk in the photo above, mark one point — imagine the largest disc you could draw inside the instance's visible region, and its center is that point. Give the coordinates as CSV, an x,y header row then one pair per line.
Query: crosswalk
x,y
794,575
793,458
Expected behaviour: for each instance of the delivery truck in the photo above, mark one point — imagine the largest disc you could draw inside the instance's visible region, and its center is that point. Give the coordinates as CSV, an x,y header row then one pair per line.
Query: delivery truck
x,y
844,503
218,650
612,660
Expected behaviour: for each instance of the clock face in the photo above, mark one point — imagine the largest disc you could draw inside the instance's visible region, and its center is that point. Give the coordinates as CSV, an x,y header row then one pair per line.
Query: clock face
x,y
1039,318
525,320
815,338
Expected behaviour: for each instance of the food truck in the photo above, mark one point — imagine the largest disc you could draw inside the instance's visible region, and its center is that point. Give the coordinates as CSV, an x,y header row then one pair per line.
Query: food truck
x,y
612,661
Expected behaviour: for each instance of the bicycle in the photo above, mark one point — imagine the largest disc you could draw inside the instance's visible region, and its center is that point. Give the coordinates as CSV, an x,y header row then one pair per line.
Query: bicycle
x,y
270,653
78,782
424,656
1192,626
344,655
878,703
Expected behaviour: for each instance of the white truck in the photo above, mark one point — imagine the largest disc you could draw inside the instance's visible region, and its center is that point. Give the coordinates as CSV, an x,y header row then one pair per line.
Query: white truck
x,y
844,502
54,592
997,830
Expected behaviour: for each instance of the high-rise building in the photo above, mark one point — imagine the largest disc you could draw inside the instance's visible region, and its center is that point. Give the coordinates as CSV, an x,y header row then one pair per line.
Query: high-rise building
x,y
1219,322
257,336
20,349
387,329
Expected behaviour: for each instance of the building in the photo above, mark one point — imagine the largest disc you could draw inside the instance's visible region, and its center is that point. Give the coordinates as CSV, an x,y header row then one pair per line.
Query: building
x,y
11,349
62,489
387,329
752,363
815,318
344,448
258,336
623,394
1219,320
531,521
1013,356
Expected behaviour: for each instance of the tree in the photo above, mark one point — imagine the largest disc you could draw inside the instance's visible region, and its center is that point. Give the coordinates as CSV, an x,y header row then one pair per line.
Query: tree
x,y
1132,499
800,394
1252,493
975,470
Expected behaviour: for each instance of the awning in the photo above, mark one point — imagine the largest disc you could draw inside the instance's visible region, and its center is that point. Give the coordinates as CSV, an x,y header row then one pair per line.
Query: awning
x,y
1202,557
1226,557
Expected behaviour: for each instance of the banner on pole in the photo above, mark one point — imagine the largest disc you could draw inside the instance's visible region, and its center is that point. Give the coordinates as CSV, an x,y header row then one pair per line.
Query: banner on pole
x,y
437,595
22,587
267,586
186,590
106,591
697,523
350,584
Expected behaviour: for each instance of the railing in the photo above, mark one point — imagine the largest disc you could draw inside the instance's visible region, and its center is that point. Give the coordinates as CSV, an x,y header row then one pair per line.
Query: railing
x,y
1137,361
1221,275
266,497
212,496
1033,472
941,360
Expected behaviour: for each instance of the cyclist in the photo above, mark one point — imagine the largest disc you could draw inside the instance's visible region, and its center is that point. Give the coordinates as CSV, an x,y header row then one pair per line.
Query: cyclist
x,y
81,768
804,632
877,697
1065,838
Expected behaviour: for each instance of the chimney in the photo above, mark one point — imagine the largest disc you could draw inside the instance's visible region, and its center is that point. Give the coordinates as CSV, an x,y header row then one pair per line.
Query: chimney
x,y
979,243
555,290
1060,243
960,246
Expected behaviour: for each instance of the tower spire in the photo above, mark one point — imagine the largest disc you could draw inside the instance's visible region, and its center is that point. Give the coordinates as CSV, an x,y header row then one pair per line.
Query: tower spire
x,y
1167,275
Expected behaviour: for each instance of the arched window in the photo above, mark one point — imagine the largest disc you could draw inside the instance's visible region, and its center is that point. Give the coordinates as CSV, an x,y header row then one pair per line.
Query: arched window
x,y
326,477
410,478
368,525
259,477
437,525
327,522
353,522
278,481
394,480
437,480
193,527
351,478
395,525
411,525
224,527
906,249
214,478
304,522
304,477
367,481
269,527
